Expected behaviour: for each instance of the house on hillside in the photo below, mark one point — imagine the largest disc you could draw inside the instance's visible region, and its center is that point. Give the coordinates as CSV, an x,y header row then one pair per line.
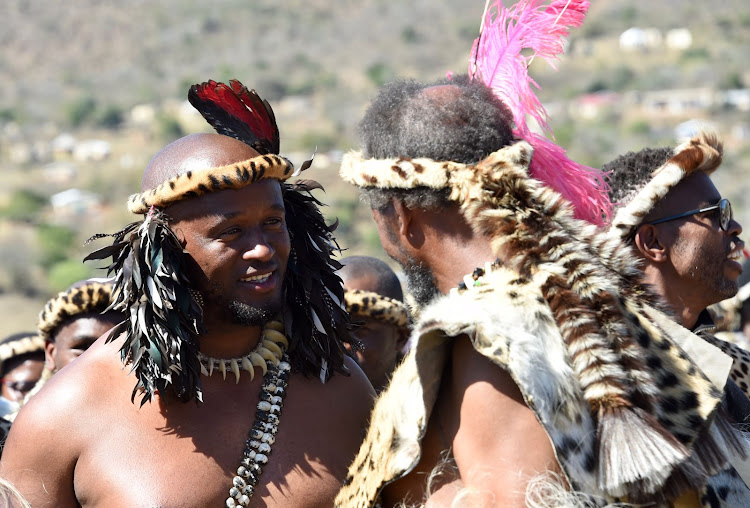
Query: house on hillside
x,y
73,203
594,105
640,39
738,99
673,103
679,38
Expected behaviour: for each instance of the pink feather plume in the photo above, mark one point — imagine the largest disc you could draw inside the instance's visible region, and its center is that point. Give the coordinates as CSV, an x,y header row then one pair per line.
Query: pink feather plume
x,y
497,60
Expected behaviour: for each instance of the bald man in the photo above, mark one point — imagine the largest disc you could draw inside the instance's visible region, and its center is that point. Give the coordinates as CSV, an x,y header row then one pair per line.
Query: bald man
x,y
212,363
375,300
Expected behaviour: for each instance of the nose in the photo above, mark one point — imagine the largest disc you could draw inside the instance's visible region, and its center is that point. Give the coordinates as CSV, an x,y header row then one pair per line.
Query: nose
x,y
258,248
735,228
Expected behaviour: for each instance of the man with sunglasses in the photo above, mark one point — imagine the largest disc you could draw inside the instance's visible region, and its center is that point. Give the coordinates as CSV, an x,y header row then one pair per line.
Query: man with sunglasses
x,y
682,230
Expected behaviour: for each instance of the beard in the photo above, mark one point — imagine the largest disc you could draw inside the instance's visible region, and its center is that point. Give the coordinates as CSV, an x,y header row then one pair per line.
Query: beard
x,y
241,313
707,271
420,282
249,315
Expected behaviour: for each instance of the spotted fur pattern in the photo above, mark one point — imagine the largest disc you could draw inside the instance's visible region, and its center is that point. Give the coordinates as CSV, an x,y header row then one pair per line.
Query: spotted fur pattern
x,y
88,297
197,183
740,372
373,305
29,344
649,408
509,321
701,153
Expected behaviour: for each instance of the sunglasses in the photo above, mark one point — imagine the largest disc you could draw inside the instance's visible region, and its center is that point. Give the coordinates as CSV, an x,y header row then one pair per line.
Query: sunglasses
x,y
725,214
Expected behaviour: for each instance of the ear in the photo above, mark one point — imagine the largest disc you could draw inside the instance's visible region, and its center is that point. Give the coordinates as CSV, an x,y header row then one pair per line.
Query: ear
x,y
49,355
650,245
402,337
403,216
410,224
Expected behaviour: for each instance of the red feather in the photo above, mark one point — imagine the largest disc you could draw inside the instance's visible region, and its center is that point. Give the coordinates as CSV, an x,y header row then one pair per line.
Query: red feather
x,y
235,111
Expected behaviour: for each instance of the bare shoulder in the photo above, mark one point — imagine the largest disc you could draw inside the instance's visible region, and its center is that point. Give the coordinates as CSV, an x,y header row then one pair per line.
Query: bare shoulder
x,y
47,436
499,439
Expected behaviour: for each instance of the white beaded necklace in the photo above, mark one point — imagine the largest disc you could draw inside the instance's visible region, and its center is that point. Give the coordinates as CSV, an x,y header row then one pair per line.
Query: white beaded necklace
x,y
270,356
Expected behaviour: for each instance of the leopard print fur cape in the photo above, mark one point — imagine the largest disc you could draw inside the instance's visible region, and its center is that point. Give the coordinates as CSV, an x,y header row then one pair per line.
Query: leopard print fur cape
x,y
507,322
629,414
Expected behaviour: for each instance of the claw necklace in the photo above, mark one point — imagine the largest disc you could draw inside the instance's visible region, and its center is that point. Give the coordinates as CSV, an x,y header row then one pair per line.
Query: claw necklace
x,y
269,349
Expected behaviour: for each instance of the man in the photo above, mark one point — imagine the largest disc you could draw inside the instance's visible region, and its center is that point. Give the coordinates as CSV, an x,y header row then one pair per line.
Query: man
x,y
21,363
683,231
544,364
230,298
374,299
71,321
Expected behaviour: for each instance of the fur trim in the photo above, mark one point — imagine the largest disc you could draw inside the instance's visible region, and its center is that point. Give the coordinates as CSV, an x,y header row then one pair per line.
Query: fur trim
x,y
376,306
701,153
88,297
405,173
196,183
28,344
508,321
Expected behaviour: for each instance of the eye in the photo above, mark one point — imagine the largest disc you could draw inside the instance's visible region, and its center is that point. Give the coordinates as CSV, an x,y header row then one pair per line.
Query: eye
x,y
274,221
232,230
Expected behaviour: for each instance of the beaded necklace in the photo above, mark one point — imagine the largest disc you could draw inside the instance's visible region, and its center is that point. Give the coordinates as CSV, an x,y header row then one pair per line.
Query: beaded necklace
x,y
276,368
476,278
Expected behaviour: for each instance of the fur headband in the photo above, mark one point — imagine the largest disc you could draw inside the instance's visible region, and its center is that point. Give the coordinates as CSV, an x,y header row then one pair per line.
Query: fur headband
x,y
28,344
405,173
197,183
88,297
373,305
701,153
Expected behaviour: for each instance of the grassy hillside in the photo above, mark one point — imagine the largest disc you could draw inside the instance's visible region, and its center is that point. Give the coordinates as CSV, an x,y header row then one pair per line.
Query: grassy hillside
x,y
80,68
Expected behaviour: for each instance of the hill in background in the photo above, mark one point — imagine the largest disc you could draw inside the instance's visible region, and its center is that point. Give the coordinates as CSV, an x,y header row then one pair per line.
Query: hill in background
x,y
79,73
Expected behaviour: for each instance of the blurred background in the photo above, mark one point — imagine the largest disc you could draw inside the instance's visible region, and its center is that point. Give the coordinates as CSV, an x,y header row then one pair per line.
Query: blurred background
x,y
92,89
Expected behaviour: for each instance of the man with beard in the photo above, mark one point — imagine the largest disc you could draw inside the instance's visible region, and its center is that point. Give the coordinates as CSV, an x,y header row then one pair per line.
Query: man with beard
x,y
683,231
230,294
540,373
374,299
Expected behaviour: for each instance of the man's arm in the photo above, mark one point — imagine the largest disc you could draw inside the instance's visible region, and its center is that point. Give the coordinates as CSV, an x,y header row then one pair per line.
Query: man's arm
x,y
38,457
499,444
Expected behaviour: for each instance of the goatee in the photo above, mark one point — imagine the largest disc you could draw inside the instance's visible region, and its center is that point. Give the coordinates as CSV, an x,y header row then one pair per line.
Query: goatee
x,y
420,282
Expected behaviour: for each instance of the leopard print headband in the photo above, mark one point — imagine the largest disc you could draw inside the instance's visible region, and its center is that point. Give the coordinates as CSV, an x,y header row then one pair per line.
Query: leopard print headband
x,y
88,297
373,305
405,173
28,344
197,183
701,153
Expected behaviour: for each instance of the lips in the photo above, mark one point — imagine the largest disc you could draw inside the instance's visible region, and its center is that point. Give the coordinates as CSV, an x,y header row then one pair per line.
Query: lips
x,y
257,278
261,282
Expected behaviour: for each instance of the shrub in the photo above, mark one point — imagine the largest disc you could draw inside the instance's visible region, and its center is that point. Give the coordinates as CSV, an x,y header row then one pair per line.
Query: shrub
x,y
80,111
54,243
24,206
65,273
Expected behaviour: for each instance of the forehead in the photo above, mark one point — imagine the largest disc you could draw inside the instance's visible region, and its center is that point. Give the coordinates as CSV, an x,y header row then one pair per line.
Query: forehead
x,y
694,191
257,197
362,280
88,324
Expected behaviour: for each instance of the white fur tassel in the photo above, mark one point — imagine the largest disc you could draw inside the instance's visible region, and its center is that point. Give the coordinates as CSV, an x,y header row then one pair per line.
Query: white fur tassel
x,y
635,458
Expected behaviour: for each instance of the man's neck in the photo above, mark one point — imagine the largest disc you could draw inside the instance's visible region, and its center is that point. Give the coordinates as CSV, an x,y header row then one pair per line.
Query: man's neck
x,y
681,300
458,257
229,341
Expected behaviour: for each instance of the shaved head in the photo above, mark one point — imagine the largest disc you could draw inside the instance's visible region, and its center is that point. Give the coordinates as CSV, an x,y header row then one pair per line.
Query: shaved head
x,y
370,274
194,153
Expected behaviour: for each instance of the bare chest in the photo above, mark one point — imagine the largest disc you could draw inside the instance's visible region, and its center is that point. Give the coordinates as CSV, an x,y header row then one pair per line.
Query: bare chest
x,y
187,456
